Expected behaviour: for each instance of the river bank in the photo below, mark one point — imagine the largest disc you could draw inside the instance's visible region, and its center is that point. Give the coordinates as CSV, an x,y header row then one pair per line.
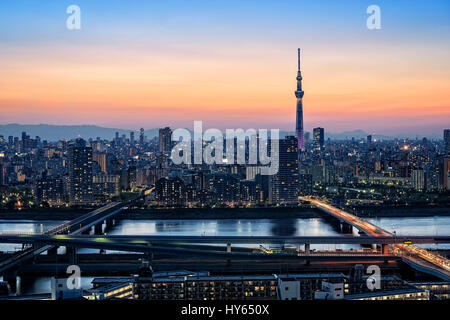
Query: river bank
x,y
225,213
402,211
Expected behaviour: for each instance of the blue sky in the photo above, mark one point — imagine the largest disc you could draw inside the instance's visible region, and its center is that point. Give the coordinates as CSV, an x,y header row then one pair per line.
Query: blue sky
x,y
182,58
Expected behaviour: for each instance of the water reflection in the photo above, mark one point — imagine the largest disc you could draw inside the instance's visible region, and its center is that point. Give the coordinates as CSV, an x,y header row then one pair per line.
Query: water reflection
x,y
283,227
229,227
21,227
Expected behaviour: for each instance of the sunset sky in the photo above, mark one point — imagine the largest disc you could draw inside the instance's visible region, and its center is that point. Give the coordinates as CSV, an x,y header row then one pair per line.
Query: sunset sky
x,y
229,63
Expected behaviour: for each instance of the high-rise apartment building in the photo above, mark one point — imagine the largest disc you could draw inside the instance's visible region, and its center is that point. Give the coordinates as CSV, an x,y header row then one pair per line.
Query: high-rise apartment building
x,y
283,186
100,158
318,138
165,140
447,140
80,173
419,181
141,136
446,173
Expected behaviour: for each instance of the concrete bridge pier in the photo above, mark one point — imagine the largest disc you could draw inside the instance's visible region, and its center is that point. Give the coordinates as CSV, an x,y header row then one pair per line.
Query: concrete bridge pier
x,y
10,276
228,250
307,249
333,222
98,229
71,252
346,228
87,231
110,223
52,251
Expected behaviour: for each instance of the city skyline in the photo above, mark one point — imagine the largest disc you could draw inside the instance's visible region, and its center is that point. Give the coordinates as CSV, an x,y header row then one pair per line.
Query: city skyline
x,y
156,151
151,66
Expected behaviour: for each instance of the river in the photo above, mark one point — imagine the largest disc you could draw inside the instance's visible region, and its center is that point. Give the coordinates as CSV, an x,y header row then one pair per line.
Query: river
x,y
438,225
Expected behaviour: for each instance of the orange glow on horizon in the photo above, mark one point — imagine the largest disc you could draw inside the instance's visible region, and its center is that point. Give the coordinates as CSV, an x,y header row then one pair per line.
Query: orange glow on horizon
x,y
127,87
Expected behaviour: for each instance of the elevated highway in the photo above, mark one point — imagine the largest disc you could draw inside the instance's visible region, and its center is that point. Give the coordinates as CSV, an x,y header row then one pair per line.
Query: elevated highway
x,y
103,241
416,257
74,227
180,249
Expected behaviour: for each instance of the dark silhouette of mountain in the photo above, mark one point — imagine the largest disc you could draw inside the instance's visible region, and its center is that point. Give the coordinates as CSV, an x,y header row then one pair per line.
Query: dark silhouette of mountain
x,y
57,132
360,134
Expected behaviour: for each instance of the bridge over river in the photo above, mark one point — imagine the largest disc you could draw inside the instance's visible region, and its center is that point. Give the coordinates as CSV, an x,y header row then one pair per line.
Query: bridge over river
x,y
418,258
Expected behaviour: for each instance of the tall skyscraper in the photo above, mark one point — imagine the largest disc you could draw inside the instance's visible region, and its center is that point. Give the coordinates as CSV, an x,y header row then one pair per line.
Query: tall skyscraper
x,y
447,140
80,173
24,142
165,140
132,137
306,138
299,95
318,138
283,186
141,137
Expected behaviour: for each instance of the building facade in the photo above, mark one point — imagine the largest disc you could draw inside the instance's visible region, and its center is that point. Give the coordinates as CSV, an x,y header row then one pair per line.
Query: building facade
x,y
283,186
80,173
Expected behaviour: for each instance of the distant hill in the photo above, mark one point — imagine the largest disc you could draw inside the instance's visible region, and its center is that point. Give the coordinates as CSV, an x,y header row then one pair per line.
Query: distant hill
x,y
56,132
360,134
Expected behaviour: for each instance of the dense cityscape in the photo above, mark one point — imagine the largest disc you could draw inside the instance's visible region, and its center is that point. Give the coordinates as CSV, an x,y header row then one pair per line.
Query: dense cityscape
x,y
37,173
107,194
139,175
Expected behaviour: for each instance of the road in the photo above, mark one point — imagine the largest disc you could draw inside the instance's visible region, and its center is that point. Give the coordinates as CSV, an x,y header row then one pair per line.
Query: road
x,y
185,239
73,227
411,252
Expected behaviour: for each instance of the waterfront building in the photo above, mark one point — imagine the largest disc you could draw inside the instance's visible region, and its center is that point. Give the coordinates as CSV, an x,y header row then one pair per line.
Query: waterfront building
x,y
283,186
49,190
106,186
170,191
223,188
80,173
315,286
447,140
446,173
419,181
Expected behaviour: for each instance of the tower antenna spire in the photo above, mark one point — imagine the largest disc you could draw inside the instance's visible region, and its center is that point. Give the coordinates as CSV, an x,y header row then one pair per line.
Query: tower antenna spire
x,y
299,95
